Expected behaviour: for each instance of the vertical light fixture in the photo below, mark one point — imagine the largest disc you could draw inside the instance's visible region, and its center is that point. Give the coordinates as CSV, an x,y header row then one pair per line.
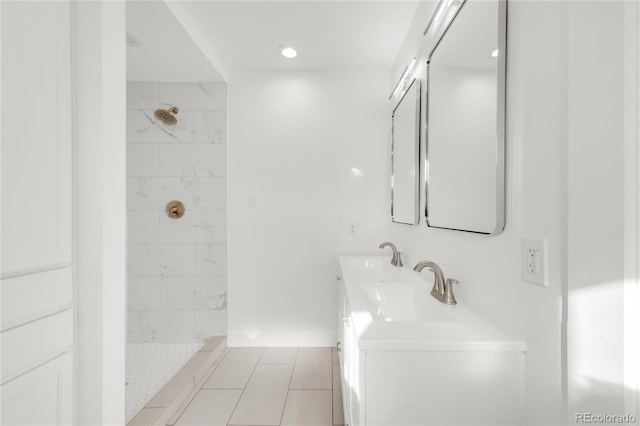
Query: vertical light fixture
x,y
401,82
444,8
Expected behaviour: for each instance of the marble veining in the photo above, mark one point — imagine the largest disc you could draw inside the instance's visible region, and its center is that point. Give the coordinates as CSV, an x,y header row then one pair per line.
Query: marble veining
x,y
177,290
193,160
142,127
210,323
210,127
211,259
161,260
204,226
194,96
210,193
215,302
164,326
153,193
193,293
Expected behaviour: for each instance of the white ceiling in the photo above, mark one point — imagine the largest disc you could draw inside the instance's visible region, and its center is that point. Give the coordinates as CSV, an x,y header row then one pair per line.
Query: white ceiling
x,y
166,51
329,34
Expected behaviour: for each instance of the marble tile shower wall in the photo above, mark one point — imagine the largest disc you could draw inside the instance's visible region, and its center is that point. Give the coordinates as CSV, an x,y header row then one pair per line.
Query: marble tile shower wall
x,y
177,289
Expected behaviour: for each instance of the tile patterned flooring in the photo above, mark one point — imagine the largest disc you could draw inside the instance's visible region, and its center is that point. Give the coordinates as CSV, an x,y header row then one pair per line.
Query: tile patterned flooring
x,y
270,386
149,367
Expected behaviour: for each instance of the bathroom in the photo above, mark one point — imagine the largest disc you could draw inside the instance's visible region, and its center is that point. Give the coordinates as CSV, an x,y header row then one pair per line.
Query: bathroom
x,y
306,181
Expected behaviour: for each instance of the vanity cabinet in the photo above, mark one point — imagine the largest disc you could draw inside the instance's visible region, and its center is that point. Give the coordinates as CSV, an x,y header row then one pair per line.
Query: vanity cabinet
x,y
351,364
457,371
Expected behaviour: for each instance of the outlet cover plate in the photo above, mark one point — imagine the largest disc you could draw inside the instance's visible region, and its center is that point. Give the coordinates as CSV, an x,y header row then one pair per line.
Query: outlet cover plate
x,y
534,261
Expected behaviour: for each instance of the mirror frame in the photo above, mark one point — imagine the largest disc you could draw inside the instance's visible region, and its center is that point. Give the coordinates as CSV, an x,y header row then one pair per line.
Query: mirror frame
x,y
500,122
418,112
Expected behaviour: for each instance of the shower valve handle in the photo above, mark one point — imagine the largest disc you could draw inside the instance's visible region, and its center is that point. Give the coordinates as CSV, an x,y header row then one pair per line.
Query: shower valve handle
x,y
175,209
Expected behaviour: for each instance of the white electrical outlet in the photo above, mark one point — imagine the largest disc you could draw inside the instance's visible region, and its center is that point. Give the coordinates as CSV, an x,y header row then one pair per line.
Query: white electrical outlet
x,y
351,228
534,261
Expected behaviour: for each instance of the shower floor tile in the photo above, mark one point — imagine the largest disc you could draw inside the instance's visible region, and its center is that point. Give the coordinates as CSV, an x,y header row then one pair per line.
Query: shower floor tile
x,y
149,367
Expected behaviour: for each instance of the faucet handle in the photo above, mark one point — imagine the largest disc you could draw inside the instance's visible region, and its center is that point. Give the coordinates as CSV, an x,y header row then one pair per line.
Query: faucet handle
x,y
449,298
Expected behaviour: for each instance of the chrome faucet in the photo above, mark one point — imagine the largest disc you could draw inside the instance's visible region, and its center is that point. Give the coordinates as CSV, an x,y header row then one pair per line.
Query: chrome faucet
x,y
395,258
442,289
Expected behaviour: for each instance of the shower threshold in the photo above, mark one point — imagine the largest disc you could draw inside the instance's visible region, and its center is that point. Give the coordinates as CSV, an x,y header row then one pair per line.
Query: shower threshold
x,y
166,405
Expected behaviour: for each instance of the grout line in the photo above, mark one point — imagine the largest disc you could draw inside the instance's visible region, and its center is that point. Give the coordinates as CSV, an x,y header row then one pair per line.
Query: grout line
x,y
175,143
223,355
305,389
217,389
170,410
259,359
185,109
158,234
195,267
286,398
295,360
195,326
245,387
173,277
333,391
186,408
201,384
310,389
277,363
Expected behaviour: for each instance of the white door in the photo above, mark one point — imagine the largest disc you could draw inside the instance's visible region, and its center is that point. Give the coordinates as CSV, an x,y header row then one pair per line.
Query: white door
x,y
36,321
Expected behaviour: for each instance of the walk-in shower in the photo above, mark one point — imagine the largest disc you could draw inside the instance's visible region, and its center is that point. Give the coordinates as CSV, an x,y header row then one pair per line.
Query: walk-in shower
x,y
177,293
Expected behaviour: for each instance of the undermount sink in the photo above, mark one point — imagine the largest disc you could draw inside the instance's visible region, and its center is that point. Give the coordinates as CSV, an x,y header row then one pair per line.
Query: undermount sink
x,y
401,301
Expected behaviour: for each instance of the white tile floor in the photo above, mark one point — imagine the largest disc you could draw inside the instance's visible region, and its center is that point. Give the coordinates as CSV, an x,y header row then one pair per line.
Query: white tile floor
x,y
270,386
149,367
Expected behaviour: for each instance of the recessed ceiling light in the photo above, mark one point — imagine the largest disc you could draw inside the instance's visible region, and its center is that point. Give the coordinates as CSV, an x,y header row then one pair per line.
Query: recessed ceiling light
x,y
288,52
495,53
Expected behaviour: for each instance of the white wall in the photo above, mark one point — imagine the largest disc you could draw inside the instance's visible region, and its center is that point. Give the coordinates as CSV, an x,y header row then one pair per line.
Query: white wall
x,y
596,208
177,287
307,147
489,267
565,182
100,174
631,302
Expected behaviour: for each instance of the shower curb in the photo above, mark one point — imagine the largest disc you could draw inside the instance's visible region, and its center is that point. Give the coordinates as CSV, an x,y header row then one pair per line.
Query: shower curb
x,y
170,402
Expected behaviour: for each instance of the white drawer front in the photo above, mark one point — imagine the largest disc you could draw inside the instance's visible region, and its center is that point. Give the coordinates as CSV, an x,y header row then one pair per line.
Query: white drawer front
x,y
40,397
32,344
34,296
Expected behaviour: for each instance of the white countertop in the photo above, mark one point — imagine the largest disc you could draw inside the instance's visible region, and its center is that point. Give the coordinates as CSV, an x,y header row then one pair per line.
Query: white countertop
x,y
392,309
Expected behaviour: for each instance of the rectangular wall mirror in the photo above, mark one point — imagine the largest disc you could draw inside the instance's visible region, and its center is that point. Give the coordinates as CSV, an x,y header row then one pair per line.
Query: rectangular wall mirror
x,y
465,141
405,154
